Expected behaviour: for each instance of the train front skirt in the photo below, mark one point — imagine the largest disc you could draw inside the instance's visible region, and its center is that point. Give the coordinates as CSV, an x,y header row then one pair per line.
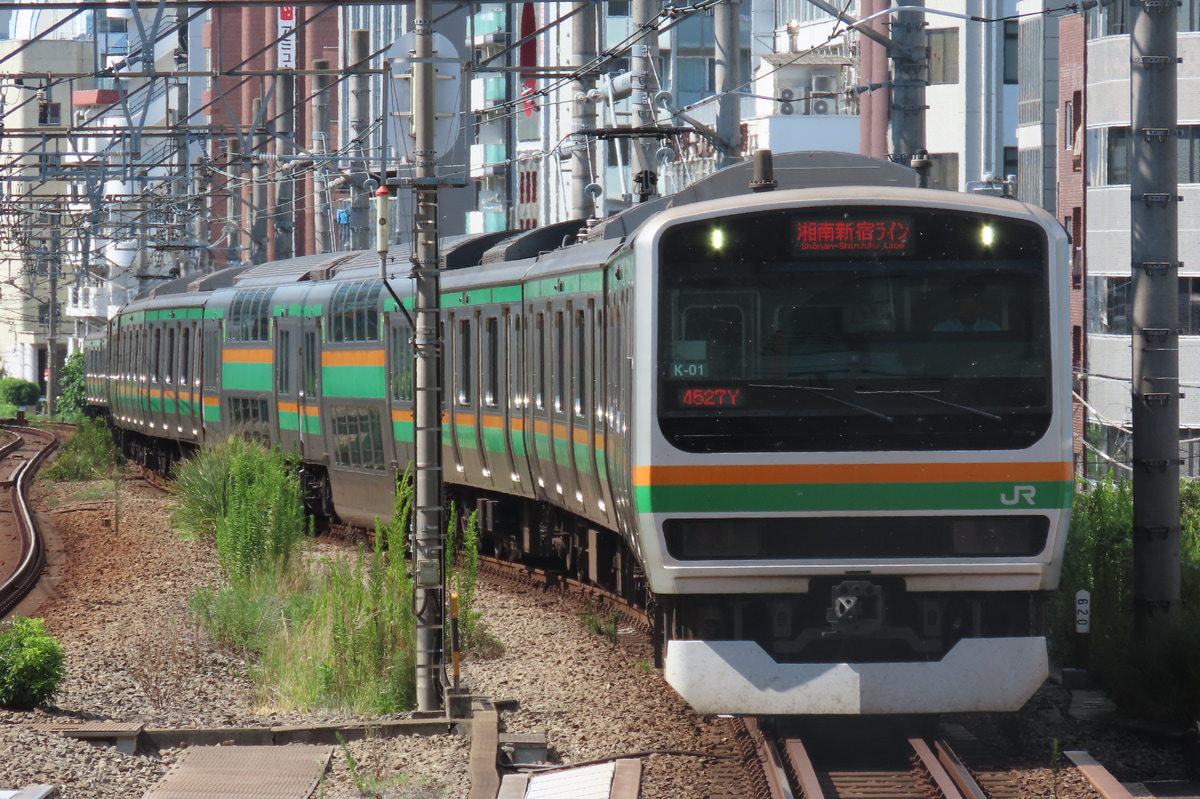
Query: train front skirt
x,y
740,678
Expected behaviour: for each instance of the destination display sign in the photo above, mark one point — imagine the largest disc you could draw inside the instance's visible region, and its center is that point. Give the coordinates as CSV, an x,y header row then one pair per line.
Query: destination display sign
x,y
876,236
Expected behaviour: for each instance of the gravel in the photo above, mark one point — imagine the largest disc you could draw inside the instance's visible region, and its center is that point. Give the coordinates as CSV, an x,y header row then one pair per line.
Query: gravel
x,y
118,606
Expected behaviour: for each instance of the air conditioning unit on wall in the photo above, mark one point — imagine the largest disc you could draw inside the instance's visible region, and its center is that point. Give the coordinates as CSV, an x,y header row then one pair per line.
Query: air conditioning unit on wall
x,y
822,106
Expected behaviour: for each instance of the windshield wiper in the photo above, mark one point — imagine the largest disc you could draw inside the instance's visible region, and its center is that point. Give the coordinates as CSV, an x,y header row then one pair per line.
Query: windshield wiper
x,y
821,392
928,395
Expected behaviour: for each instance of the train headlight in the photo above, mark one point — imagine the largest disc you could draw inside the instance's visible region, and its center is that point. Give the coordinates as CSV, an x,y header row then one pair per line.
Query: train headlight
x,y
716,239
987,236
993,536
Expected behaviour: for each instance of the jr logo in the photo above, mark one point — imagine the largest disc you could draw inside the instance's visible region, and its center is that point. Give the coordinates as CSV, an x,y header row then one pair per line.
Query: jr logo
x,y
1026,493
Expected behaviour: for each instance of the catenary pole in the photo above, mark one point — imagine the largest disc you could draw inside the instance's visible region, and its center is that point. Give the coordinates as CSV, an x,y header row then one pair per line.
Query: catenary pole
x,y
727,45
643,56
320,145
908,81
360,111
583,52
428,535
1154,229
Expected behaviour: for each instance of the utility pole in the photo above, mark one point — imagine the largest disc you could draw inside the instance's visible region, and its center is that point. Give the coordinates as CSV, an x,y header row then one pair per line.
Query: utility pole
x,y
285,191
360,110
320,141
727,45
583,52
258,187
428,538
1154,229
645,86
909,62
53,263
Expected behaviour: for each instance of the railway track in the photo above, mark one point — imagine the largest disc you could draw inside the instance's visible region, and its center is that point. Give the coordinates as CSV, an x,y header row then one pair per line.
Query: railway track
x,y
878,762
22,552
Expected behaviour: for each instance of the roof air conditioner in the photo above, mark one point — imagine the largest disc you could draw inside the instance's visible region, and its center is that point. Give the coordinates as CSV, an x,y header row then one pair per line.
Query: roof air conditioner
x,y
822,106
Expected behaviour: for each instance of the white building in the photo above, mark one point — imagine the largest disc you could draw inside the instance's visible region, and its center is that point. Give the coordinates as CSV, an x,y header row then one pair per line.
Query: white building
x,y
1109,282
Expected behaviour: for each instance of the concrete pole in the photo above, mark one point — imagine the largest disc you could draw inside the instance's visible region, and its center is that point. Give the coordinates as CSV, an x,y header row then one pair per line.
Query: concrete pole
x,y
1154,222
583,51
258,190
429,533
360,112
285,190
726,39
908,81
322,238
53,264
645,86
234,255
201,230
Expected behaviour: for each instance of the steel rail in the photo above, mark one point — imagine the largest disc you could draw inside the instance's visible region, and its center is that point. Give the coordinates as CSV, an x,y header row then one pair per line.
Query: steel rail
x,y
21,582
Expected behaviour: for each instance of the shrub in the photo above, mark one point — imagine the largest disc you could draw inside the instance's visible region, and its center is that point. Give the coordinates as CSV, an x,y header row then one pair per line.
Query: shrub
x,y
88,455
16,391
31,664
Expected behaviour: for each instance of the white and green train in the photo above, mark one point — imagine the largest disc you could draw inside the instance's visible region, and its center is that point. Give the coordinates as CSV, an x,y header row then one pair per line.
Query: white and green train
x,y
823,430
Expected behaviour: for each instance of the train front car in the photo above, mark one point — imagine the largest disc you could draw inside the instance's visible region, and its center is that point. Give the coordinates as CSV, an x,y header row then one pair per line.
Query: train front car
x,y
854,492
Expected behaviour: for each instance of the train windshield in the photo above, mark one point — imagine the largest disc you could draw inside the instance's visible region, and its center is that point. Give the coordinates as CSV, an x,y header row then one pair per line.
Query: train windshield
x,y
854,329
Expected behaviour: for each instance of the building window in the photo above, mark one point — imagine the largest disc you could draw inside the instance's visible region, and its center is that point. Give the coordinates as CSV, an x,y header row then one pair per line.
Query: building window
x,y
1011,51
943,55
1110,18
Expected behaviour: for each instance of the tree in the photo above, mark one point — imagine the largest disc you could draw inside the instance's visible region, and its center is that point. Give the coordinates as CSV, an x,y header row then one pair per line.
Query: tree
x,y
73,386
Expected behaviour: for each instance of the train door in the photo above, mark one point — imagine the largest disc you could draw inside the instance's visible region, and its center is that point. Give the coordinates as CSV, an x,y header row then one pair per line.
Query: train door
x,y
187,385
457,348
287,385
487,422
210,378
565,419
400,370
539,434
308,385
516,408
588,437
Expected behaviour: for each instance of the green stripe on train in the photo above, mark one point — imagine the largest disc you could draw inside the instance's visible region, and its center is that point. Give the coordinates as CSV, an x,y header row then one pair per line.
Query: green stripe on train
x,y
246,376
366,382
1051,495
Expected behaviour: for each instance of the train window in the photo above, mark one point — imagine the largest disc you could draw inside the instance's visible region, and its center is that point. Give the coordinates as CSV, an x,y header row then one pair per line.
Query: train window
x,y
250,417
464,362
211,361
402,364
539,362
579,390
516,361
358,437
311,366
283,362
854,329
169,371
185,355
559,359
156,357
491,335
354,312
250,316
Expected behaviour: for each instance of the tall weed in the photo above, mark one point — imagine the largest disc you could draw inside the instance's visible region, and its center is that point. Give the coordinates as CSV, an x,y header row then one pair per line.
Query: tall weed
x,y
1155,678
